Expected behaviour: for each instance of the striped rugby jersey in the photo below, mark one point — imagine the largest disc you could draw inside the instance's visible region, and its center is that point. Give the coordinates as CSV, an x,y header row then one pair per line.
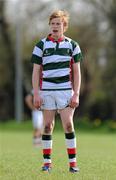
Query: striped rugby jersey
x,y
55,58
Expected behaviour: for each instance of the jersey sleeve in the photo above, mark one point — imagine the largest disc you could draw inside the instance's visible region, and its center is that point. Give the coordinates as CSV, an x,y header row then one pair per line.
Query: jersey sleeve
x,y
37,53
77,54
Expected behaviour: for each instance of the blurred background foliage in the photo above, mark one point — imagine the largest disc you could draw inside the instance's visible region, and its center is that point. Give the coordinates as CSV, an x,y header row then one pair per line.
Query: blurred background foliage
x,y
92,25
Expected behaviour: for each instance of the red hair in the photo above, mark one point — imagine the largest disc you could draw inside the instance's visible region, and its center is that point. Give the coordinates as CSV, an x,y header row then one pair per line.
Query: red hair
x,y
60,14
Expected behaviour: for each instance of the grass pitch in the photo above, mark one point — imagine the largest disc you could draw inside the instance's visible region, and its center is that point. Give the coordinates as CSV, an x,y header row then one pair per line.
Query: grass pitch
x,y
19,160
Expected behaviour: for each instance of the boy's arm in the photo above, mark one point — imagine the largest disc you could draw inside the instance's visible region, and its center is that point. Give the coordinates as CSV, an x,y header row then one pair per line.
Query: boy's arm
x,y
35,78
35,84
76,85
76,78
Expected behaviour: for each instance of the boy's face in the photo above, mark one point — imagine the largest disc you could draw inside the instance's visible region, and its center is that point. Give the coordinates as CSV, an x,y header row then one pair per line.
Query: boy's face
x,y
57,27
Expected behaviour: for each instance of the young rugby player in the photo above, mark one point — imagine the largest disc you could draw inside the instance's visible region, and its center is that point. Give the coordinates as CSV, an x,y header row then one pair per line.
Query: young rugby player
x,y
55,53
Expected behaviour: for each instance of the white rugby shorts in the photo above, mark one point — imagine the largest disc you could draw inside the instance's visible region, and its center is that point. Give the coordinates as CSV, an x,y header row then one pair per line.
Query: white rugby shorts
x,y
53,100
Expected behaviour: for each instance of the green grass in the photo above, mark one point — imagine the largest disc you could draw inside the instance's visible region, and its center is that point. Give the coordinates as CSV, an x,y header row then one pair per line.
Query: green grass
x,y
19,160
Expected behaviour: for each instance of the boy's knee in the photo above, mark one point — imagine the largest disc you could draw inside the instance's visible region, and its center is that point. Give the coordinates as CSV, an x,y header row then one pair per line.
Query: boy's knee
x,y
69,127
48,128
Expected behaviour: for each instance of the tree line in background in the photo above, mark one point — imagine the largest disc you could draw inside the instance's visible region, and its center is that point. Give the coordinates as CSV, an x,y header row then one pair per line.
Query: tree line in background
x,y
96,35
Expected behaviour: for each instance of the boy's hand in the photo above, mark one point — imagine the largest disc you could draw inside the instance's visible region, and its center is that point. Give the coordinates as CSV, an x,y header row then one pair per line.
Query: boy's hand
x,y
37,101
74,102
